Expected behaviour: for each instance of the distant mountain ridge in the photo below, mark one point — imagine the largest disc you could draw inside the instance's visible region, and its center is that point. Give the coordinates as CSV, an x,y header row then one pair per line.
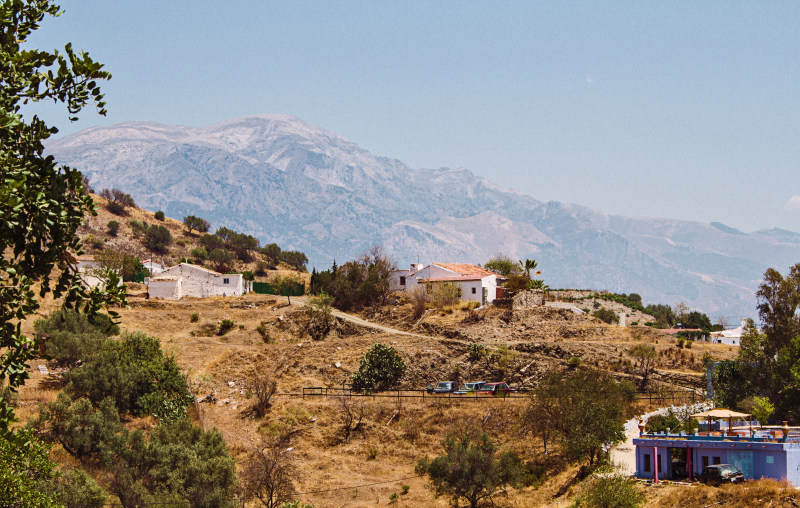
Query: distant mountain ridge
x,y
287,181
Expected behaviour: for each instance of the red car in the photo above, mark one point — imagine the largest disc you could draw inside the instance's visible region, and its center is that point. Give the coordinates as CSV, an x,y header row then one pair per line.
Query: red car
x,y
495,389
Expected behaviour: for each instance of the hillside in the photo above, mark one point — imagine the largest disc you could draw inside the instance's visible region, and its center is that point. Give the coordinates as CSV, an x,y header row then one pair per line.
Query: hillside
x,y
305,188
270,337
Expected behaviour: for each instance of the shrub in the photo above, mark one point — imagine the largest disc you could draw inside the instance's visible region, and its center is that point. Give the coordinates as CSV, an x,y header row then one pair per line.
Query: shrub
x,y
157,238
574,361
113,227
93,242
320,318
24,470
606,315
419,299
195,317
444,294
76,488
372,453
222,260
379,369
70,337
264,332
159,215
263,389
225,326
611,491
476,351
137,376
138,227
199,254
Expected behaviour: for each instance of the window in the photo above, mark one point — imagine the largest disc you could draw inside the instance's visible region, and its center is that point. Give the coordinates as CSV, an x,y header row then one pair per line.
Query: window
x,y
770,459
717,460
647,463
474,291
705,461
402,281
226,281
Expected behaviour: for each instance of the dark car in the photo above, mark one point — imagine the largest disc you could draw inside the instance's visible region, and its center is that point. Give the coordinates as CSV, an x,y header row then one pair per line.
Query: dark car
x,y
721,473
495,389
443,387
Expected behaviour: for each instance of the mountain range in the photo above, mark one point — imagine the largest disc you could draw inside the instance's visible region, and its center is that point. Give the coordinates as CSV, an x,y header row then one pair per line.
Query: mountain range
x,y
286,181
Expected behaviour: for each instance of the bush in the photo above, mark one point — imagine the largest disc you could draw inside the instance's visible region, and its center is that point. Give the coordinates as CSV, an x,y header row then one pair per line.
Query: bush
x,y
137,376
444,294
118,201
70,337
199,254
263,389
379,369
267,475
264,332
195,317
76,488
25,471
138,227
159,215
157,239
611,491
93,242
476,351
320,318
225,326
191,222
606,315
113,227
222,260
574,361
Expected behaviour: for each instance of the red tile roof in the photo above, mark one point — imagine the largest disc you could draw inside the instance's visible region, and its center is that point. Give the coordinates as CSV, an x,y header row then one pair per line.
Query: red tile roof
x,y
466,269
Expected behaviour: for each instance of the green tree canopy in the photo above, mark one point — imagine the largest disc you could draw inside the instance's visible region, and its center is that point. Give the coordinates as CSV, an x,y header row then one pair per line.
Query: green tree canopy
x,y
503,265
471,468
42,204
379,369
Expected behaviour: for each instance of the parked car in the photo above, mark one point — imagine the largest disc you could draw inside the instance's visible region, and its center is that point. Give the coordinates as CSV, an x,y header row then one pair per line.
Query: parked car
x,y
470,387
495,389
442,387
721,473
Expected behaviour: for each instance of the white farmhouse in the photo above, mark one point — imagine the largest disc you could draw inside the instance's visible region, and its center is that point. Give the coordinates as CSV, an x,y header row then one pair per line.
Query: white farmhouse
x,y
191,280
476,283
90,271
730,337
153,267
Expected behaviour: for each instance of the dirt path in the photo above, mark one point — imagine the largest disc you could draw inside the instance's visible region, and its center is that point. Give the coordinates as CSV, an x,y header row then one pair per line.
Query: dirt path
x,y
301,300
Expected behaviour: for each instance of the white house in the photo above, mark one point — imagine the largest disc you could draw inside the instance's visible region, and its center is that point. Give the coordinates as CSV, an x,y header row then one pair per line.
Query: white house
x,y
191,280
153,267
90,270
476,283
730,337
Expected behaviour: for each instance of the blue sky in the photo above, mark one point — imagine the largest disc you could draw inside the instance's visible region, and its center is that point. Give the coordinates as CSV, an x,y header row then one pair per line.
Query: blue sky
x,y
685,110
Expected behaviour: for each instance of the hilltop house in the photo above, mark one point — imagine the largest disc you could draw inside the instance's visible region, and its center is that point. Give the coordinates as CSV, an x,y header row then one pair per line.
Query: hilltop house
x,y
191,280
476,283
730,337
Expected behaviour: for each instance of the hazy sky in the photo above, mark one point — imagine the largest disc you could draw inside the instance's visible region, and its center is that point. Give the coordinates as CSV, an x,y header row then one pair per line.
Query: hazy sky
x,y
686,110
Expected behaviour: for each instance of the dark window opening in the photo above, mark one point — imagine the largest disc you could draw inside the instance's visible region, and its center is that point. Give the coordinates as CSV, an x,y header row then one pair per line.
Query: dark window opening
x,y
474,291
402,281
647,463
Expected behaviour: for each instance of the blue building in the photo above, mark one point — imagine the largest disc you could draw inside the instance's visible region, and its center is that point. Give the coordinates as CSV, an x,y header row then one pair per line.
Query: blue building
x,y
761,454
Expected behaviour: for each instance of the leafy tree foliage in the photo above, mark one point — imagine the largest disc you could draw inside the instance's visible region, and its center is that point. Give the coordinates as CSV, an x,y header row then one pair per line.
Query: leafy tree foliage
x,y
663,314
241,244
358,283
471,468
41,204
83,430
130,267
159,215
671,423
113,227
611,491
76,488
379,369
117,201
180,463
606,315
136,375
320,318
196,223
25,472
585,410
70,337
503,265
222,260
695,319
199,254
211,242
158,239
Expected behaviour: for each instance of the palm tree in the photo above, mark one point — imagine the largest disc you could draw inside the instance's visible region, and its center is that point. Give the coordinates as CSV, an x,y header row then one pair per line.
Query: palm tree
x,y
527,266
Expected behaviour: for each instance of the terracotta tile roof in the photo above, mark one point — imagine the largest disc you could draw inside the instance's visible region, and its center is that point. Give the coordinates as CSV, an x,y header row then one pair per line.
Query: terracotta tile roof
x,y
447,279
466,269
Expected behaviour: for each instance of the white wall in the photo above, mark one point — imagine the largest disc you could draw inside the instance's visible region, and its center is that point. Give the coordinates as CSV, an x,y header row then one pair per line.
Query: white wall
x,y
167,289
